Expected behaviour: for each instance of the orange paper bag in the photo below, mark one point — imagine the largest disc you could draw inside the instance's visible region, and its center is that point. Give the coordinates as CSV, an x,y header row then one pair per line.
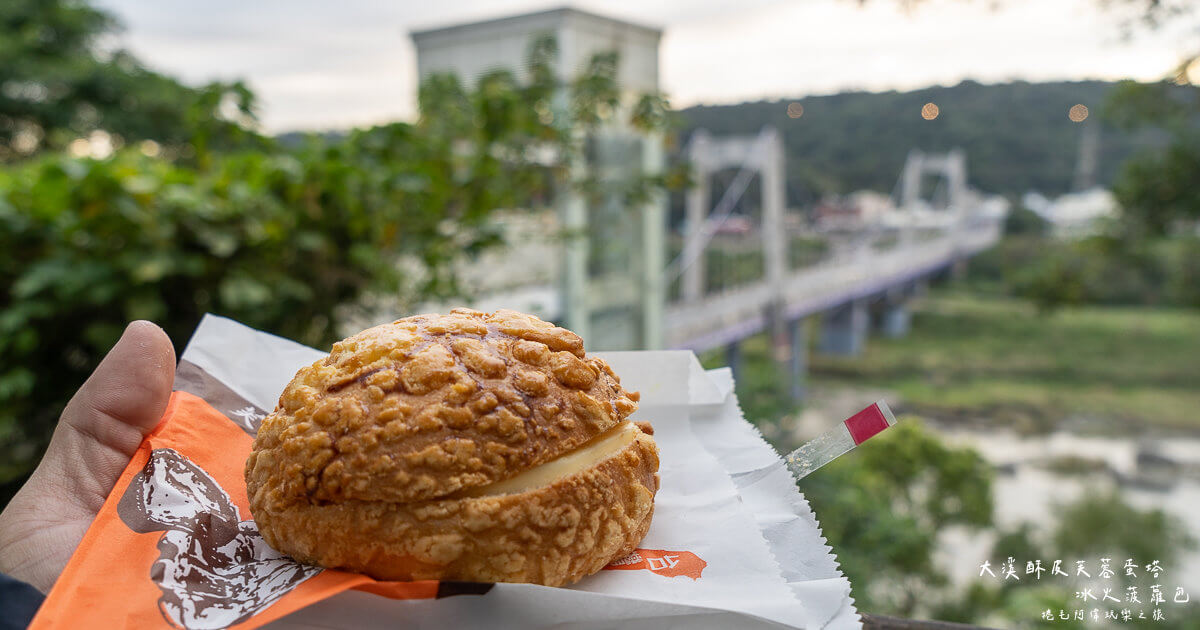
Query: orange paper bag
x,y
179,518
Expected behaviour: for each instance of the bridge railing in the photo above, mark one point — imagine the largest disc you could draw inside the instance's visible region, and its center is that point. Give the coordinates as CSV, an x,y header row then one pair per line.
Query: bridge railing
x,y
736,261
854,266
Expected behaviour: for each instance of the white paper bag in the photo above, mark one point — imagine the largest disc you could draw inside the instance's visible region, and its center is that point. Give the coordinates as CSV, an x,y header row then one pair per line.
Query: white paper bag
x,y
725,497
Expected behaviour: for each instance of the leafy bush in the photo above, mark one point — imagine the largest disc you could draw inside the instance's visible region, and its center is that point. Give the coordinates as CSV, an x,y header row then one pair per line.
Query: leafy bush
x,y
278,241
1095,270
1022,220
1158,190
992,270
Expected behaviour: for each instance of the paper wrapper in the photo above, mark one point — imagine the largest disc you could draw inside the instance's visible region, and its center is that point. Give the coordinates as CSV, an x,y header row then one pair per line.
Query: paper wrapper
x,y
732,543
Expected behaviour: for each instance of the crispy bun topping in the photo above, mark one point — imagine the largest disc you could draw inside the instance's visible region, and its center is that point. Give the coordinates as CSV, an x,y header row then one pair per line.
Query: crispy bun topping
x,y
431,405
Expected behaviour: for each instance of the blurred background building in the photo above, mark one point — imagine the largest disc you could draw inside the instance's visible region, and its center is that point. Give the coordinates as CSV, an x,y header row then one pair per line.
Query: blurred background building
x,y
608,287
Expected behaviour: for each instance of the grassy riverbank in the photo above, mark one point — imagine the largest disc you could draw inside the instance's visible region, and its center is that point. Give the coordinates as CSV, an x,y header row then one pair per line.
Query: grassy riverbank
x,y
975,358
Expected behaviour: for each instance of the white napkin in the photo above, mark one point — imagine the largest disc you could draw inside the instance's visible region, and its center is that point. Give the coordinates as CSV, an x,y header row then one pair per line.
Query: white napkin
x,y
725,497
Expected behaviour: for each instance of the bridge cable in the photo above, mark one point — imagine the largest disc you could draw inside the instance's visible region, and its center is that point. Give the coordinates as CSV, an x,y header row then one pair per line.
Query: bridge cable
x,y
720,214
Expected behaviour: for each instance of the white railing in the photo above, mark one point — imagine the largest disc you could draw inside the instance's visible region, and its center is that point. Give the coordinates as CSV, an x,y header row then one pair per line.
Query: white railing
x,y
720,318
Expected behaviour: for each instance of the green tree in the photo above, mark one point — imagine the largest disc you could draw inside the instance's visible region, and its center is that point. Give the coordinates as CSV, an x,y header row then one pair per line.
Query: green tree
x,y
1158,191
1022,221
56,85
884,507
1155,189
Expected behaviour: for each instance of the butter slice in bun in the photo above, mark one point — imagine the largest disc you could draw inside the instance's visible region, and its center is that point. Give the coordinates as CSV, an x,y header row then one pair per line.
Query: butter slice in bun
x,y
481,447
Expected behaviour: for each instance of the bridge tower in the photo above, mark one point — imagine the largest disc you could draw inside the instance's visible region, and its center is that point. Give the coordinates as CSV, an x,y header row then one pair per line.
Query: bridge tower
x,y
951,166
760,154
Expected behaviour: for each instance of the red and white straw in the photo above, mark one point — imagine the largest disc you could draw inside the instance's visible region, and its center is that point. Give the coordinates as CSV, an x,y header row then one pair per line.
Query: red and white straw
x,y
840,440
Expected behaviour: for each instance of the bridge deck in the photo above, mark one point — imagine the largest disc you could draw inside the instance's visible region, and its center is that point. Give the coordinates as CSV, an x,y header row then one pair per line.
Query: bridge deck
x,y
721,318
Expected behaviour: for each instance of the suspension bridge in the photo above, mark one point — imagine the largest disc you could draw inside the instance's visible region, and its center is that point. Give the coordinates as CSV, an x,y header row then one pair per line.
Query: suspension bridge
x,y
632,278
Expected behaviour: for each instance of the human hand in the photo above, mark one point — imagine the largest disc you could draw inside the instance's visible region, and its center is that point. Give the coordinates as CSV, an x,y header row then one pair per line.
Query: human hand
x,y
96,436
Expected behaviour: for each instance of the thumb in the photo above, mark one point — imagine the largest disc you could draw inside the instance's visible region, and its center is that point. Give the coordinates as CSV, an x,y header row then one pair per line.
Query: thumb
x,y
108,417
98,432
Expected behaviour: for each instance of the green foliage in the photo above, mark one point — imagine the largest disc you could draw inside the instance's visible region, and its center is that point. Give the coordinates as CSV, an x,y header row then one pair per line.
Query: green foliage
x,y
1090,271
55,87
761,387
806,251
1158,192
277,241
1151,254
1094,270
992,270
1103,523
1022,221
735,261
732,266
1010,605
884,506
1163,104
1156,188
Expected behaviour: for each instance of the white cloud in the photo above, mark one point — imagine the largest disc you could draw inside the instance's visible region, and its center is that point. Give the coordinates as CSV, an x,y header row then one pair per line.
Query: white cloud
x,y
319,65
830,45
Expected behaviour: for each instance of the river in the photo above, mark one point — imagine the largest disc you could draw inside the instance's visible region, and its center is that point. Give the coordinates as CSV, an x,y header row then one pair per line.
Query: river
x,y
1167,478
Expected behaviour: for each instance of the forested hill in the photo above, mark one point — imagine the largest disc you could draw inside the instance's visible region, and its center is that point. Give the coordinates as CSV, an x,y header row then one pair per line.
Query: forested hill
x,y
1016,135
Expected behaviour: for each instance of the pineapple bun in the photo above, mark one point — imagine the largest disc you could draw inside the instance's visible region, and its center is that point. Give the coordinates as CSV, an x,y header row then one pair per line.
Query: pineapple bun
x,y
472,446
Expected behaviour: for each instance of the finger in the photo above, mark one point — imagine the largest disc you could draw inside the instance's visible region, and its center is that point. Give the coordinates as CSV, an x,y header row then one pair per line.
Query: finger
x,y
98,432
120,403
130,386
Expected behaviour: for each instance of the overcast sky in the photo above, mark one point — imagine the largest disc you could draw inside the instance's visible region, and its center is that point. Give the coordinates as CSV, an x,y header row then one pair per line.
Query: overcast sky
x,y
318,65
